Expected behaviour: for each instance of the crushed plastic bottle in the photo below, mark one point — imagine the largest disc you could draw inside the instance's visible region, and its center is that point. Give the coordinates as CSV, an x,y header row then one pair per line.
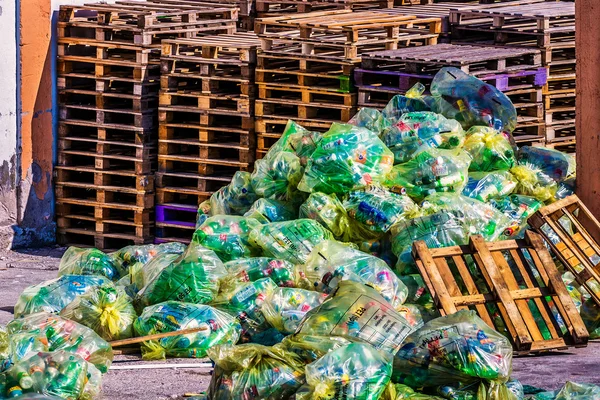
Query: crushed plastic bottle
x,y
285,307
489,149
76,261
297,140
227,236
276,177
142,254
518,209
232,199
242,271
327,210
371,119
485,186
267,210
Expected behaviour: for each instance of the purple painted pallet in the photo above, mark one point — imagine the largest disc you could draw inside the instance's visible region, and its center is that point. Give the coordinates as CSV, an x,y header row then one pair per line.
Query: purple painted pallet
x,y
176,214
396,80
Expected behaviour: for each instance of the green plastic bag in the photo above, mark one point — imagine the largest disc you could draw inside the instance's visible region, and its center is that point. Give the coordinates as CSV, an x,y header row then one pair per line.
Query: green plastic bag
x,y
244,270
419,131
106,309
48,332
172,316
347,158
76,261
332,262
457,348
285,307
142,254
227,236
485,186
277,175
142,274
572,391
268,373
327,210
290,240
54,295
371,119
356,371
233,199
267,210
403,392
310,348
298,140
192,277
490,150
359,313
492,390
430,171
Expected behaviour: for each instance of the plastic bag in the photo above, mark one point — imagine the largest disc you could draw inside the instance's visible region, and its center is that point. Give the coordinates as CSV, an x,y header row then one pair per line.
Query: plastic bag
x,y
203,213
418,131
76,261
380,247
285,307
298,140
490,150
142,254
327,210
48,332
277,175
371,119
412,101
347,158
511,390
254,371
332,262
403,392
565,188
574,391
267,210
430,171
193,278
290,240
456,348
553,163
533,182
171,316
518,209
105,309
245,270
484,186
5,350
59,373
417,290
359,313
310,348
227,236
460,96
53,295
356,371
235,198
376,210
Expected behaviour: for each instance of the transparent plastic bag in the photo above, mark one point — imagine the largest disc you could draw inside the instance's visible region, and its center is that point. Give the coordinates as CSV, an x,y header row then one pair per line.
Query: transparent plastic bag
x,y
332,262
553,163
533,182
5,350
298,140
490,150
371,119
484,186
418,131
142,254
380,247
54,295
375,209
290,240
460,96
192,277
565,188
347,158
172,316
430,171
285,307
261,372
227,236
518,209
235,198
329,212
48,332
277,175
412,101
403,392
268,210
244,270
106,309
142,274
76,261
359,313
310,348
457,348
511,390
356,371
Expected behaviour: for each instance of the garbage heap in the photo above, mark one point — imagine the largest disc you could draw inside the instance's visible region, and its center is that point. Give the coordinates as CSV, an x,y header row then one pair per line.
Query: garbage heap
x,y
299,278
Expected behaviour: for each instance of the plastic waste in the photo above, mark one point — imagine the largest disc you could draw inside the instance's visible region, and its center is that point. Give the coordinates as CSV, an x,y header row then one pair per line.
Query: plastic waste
x,y
227,236
553,163
192,277
460,96
371,119
380,247
359,313
484,186
565,188
203,213
106,309
290,240
5,350
245,270
298,140
418,131
347,158
268,210
332,262
48,332
430,171
492,390
310,348
403,392
285,307
356,371
571,391
54,295
76,261
455,348
489,149
142,254
412,101
327,210
254,371
518,209
172,316
277,175
233,199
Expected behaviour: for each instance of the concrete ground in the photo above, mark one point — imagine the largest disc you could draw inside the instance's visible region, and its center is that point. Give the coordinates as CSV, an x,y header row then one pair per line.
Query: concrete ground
x,y
21,269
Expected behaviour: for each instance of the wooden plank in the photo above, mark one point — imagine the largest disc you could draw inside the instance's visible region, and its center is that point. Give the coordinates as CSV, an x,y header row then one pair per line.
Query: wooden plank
x,y
126,342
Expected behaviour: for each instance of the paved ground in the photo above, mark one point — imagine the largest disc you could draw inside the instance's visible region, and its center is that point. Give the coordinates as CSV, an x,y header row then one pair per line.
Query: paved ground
x,y
21,269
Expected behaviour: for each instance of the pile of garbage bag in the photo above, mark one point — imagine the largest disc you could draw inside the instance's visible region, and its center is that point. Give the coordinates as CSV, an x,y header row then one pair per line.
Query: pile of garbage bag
x,y
299,281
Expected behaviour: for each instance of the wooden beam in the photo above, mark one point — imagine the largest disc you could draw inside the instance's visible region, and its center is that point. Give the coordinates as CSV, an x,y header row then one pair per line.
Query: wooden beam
x,y
587,15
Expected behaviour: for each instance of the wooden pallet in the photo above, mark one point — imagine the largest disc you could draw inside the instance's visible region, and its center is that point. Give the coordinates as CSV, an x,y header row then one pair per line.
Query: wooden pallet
x,y
573,233
192,134
513,285
192,180
276,126
140,163
351,32
560,133
109,85
318,112
110,180
175,164
97,50
89,238
270,7
182,215
232,153
180,195
305,95
107,68
568,145
104,194
166,233
84,130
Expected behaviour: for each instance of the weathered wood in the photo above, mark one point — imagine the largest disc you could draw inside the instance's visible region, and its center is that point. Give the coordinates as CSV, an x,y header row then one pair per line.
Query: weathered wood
x,y
126,342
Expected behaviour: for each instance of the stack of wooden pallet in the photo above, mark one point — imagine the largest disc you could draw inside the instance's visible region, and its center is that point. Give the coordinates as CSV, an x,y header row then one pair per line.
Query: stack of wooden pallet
x,y
549,26
306,65
108,79
516,72
206,124
270,8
